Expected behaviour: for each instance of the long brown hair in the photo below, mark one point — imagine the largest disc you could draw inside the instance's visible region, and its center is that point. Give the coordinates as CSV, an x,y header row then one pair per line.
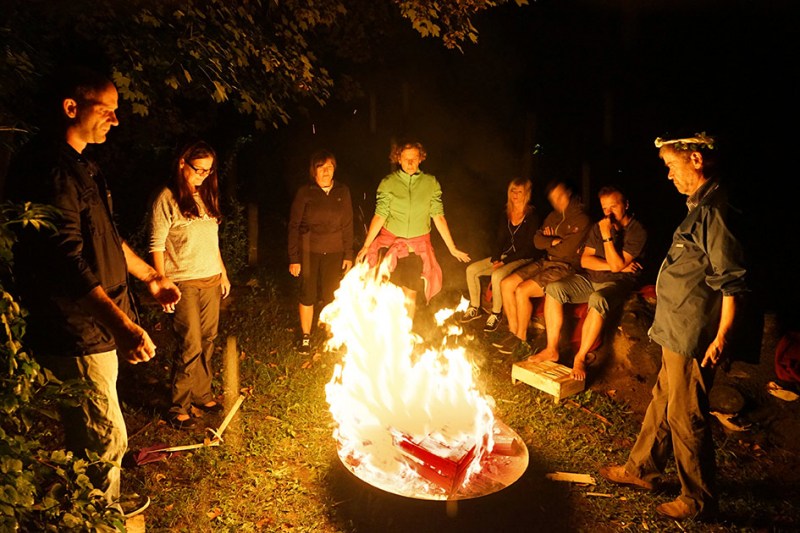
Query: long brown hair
x,y
209,190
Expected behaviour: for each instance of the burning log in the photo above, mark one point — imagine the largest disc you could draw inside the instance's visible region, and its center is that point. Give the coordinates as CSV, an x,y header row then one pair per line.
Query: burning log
x,y
410,421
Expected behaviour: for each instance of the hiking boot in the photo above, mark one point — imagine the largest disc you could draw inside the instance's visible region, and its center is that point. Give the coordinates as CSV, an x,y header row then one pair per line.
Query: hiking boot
x,y
472,313
509,345
522,350
305,344
492,323
618,474
677,510
132,504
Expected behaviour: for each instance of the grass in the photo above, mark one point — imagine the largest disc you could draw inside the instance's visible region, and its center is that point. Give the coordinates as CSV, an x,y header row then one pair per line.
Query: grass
x,y
278,470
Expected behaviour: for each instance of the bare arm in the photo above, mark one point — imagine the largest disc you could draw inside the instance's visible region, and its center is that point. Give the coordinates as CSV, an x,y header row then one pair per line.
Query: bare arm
x,y
444,230
375,226
133,343
162,288
591,261
225,283
716,350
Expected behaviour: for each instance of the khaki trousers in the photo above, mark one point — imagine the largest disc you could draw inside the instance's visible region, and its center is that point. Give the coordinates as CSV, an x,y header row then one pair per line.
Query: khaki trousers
x,y
96,424
195,322
678,421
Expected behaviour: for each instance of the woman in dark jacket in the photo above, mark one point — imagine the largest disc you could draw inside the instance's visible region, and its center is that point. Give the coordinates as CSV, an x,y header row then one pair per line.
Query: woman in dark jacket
x,y
513,248
320,239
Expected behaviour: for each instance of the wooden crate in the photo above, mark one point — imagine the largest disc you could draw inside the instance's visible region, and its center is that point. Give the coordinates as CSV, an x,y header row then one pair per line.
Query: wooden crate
x,y
547,376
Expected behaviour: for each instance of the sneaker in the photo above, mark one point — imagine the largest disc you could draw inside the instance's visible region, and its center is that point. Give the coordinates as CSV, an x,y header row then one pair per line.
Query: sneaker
x,y
503,339
470,314
132,504
521,350
618,474
509,345
305,344
492,323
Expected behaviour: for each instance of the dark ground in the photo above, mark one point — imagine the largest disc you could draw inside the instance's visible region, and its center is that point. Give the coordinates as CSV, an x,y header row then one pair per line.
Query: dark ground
x,y
759,472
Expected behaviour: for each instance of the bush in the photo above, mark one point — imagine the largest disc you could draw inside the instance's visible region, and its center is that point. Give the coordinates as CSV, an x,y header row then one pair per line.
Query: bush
x,y
40,490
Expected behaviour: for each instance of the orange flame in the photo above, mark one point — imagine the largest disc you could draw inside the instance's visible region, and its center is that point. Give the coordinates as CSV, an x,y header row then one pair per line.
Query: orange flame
x,y
385,389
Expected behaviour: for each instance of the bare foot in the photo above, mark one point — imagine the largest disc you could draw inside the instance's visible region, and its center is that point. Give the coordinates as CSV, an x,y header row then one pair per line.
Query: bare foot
x,y
579,368
545,355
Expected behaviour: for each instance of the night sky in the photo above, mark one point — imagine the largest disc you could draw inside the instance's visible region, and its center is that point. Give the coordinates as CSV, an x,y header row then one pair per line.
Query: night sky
x,y
587,86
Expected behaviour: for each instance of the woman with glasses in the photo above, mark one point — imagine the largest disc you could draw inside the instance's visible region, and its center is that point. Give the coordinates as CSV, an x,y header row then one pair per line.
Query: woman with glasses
x,y
184,245
320,239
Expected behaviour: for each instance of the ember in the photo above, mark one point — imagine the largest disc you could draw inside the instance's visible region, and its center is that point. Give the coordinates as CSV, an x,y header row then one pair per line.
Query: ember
x,y
411,421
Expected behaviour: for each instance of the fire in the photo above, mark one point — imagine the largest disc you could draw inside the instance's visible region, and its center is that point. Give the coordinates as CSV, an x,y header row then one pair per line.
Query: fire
x,y
409,420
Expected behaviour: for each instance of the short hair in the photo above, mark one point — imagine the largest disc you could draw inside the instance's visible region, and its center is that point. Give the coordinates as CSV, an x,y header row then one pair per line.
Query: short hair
x,y
611,189
405,144
79,83
318,159
684,145
76,82
554,184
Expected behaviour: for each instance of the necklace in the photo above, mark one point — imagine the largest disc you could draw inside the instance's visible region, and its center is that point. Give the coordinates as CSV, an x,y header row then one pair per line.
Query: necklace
x,y
513,229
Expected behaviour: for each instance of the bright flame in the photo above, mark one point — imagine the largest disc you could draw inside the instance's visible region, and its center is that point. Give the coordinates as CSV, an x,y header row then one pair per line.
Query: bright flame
x,y
385,389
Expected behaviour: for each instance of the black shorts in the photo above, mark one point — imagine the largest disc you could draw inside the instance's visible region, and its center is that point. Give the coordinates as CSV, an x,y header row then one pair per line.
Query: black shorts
x,y
408,272
320,277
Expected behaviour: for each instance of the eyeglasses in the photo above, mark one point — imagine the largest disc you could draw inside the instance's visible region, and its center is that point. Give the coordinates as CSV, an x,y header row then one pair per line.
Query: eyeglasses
x,y
200,171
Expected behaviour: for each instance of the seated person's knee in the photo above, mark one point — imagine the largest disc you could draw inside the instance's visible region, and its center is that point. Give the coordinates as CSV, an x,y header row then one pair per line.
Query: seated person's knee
x,y
599,303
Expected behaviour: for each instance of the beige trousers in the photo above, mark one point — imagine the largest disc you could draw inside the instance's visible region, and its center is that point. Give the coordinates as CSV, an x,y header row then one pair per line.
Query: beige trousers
x,y
678,421
96,424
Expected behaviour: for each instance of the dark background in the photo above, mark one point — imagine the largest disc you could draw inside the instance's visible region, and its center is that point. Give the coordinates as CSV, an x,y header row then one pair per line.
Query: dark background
x,y
571,89
575,90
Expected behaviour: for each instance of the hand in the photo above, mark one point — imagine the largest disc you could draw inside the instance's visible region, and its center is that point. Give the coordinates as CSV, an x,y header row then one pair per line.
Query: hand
x,y
461,256
134,345
556,241
361,255
225,285
714,355
164,291
605,224
346,266
294,269
632,268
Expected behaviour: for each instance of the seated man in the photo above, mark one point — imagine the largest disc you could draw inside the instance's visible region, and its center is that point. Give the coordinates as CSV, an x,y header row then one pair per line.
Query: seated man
x,y
561,236
611,270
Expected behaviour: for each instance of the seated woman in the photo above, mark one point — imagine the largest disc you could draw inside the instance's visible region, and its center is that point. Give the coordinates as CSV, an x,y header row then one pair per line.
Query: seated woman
x,y
561,236
513,248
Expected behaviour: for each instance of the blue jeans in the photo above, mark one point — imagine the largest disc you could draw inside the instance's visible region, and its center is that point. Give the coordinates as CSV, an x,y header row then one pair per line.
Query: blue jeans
x,y
483,267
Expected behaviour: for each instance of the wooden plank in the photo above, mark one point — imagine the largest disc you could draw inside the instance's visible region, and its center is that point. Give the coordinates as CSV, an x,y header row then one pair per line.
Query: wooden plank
x,y
547,376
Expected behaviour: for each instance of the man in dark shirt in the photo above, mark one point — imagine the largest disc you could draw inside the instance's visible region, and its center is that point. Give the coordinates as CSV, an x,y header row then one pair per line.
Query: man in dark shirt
x,y
699,284
74,280
611,268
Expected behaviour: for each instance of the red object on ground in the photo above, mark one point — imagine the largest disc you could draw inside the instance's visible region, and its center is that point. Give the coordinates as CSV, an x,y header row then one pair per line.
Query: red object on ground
x,y
446,472
574,315
787,357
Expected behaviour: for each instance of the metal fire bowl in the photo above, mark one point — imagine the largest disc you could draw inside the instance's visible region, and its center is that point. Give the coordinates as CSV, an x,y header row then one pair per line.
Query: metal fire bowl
x,y
498,471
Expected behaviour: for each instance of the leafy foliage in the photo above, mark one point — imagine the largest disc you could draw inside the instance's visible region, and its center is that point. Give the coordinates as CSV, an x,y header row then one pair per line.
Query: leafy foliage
x,y
179,63
40,490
